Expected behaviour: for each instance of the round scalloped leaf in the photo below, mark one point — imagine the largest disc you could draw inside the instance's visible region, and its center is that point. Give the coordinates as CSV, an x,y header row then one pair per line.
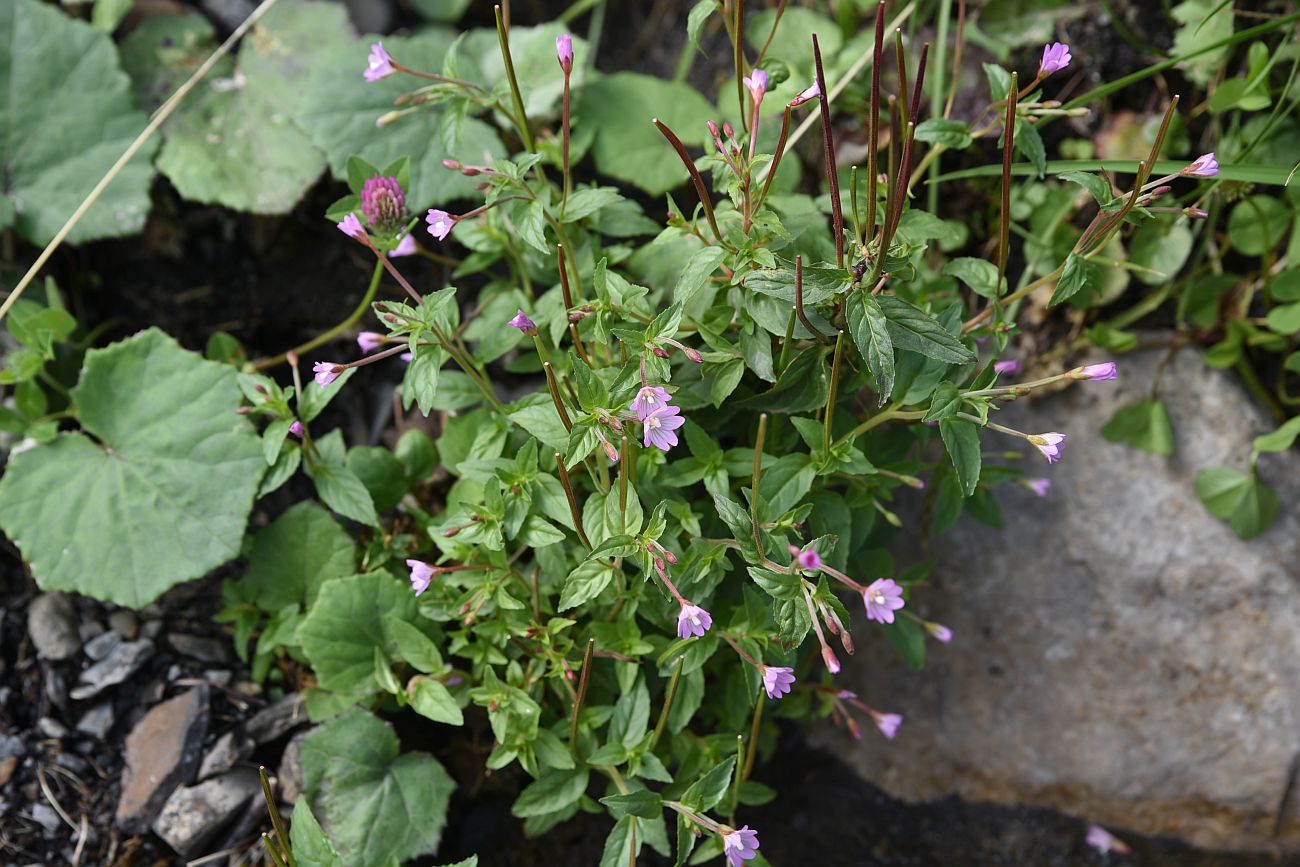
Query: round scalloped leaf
x,y
238,145
68,117
159,490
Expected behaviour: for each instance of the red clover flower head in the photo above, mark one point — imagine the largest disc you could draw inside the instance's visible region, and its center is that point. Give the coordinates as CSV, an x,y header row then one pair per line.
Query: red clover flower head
x,y
379,64
692,620
326,372
776,680
564,52
421,575
740,846
883,597
1056,57
1204,166
383,202
1050,444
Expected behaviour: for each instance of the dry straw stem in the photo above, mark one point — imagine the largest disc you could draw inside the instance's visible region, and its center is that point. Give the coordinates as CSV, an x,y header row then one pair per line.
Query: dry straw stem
x,y
164,111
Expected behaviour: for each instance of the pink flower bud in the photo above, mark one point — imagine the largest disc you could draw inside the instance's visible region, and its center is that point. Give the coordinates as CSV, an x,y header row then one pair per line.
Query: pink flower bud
x,y
808,94
352,227
296,428
1204,166
1102,371
326,372
832,662
564,52
523,323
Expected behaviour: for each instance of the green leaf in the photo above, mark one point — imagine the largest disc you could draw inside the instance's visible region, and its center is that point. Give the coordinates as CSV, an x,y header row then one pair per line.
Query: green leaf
x,y
1030,143
1097,186
339,109
376,805
420,381
162,51
431,699
1279,440
631,716
1144,425
299,551
584,584
345,625
953,134
336,484
961,439
802,386
1078,274
315,398
944,403
696,18
311,848
159,497
586,202
68,117
553,792
627,145
642,803
382,475
1285,319
793,40
913,329
1257,224
239,146
870,332
622,845
705,793
1242,500
979,275
1162,247
695,275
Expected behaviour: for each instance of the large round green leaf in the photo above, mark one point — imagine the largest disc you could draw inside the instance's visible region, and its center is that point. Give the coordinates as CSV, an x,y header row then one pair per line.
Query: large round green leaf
x,y
68,116
159,491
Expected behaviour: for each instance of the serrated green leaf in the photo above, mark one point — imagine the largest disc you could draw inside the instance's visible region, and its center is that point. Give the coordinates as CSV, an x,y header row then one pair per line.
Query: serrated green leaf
x,y
429,698
870,330
913,329
554,791
979,275
347,623
961,439
1078,274
299,551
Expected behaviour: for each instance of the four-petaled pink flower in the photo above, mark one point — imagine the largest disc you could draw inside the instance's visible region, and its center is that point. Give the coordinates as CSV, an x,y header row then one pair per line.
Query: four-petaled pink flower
x,y
1204,166
405,247
1011,365
649,399
808,94
659,425
326,372
1105,842
756,84
1056,57
883,597
777,680
740,846
369,341
379,64
1039,486
421,575
939,631
296,428
1105,370
692,620
564,51
440,223
888,723
523,323
1050,444
352,227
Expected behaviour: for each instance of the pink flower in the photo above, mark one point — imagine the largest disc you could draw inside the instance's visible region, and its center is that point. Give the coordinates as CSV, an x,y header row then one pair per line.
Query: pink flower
x,y
1196,213
564,51
832,661
883,597
440,223
1105,842
659,426
421,575
352,227
649,399
523,323
1050,444
405,247
808,94
692,620
1039,486
777,680
939,631
1204,166
369,341
383,202
808,559
756,84
1098,371
296,428
1011,365
1055,58
326,372
380,65
740,846
888,723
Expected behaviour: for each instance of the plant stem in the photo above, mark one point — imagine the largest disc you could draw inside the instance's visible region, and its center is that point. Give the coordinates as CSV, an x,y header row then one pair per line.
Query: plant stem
x,y
828,143
669,696
521,118
574,511
831,392
754,479
701,190
582,690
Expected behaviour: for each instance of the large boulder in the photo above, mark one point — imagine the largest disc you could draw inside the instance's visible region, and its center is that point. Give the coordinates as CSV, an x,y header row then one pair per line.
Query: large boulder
x,y
1118,652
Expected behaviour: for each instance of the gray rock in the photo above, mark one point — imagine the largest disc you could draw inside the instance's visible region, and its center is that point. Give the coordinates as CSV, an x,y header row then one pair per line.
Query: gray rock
x,y
193,815
232,747
44,815
289,774
162,752
209,650
89,629
49,727
125,623
102,645
11,745
152,629
97,721
52,624
122,661
277,719
1118,652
